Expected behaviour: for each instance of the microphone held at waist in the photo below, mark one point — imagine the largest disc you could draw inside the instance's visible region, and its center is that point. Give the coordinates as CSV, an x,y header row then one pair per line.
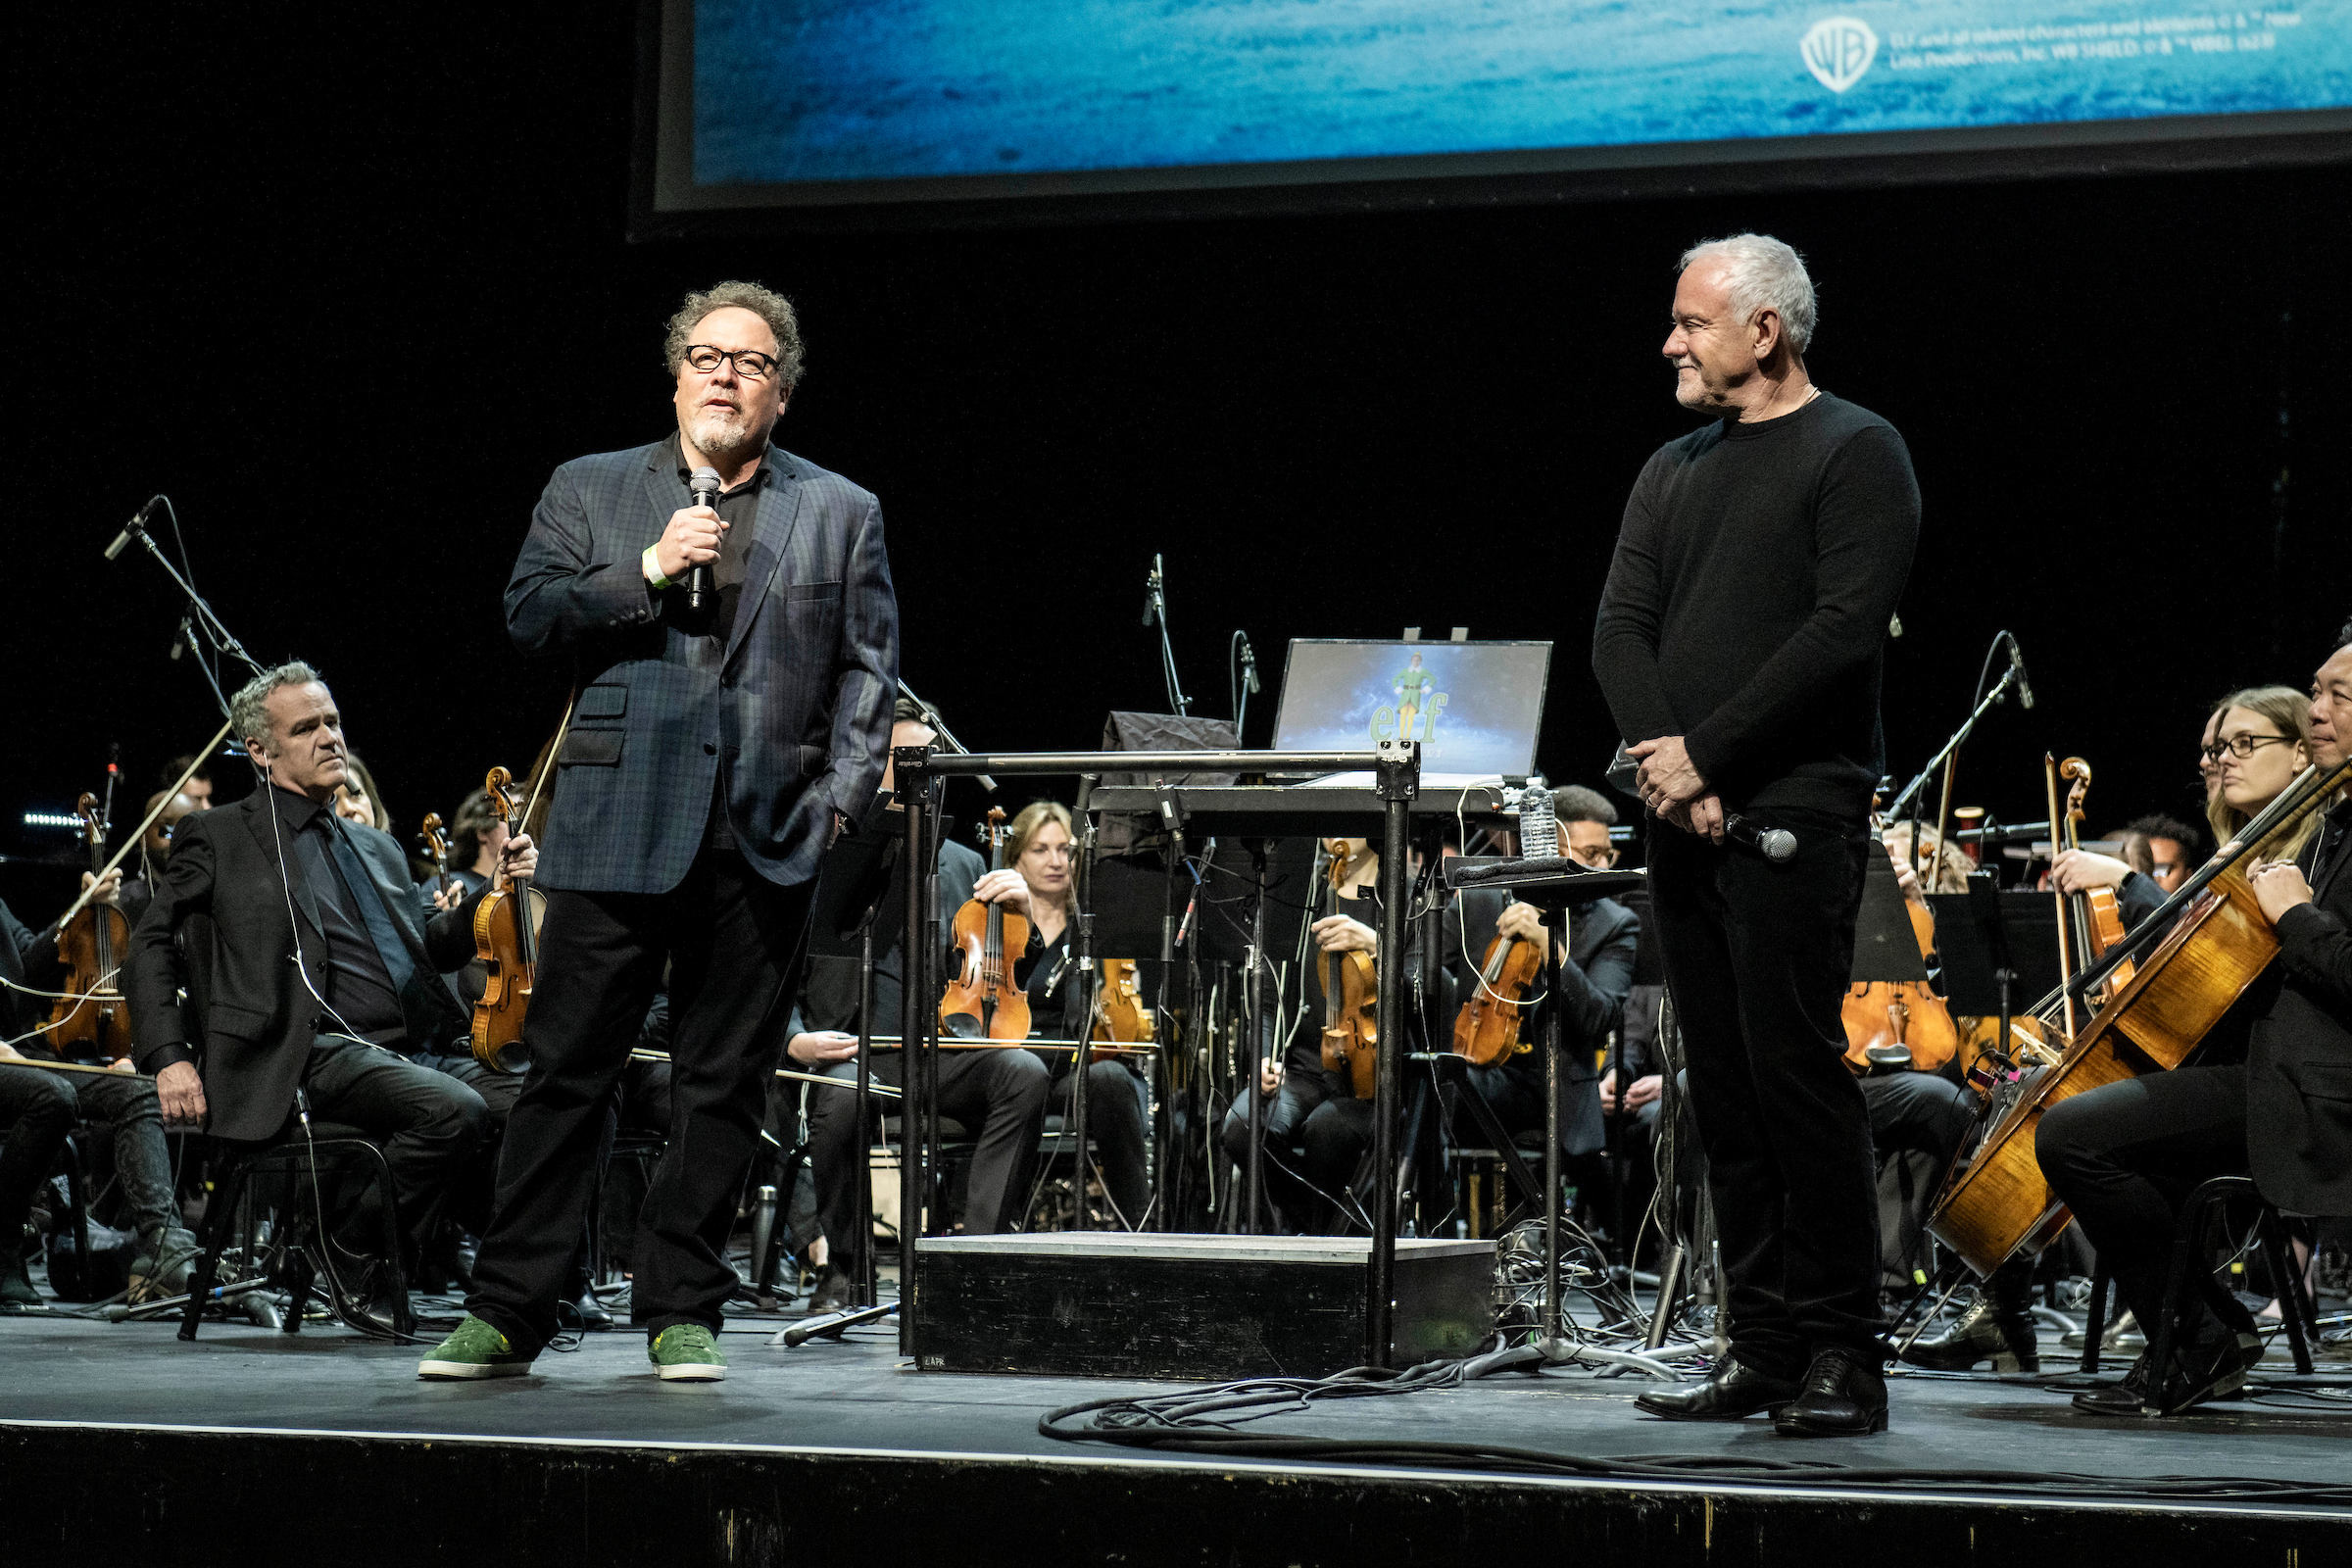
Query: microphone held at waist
x,y
1776,844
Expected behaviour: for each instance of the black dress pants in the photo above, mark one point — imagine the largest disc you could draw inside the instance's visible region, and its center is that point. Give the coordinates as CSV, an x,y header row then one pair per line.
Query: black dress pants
x,y
1115,1125
426,1123
1757,958
1000,1094
2125,1156
1281,1123
731,940
36,1112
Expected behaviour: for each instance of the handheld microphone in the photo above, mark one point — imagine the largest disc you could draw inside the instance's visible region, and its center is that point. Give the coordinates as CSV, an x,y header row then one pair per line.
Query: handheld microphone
x,y
1249,665
704,485
137,526
1155,607
1776,844
2025,688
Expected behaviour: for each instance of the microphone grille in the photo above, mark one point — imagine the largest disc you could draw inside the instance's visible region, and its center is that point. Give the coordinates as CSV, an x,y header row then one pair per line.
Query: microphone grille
x,y
1778,844
705,479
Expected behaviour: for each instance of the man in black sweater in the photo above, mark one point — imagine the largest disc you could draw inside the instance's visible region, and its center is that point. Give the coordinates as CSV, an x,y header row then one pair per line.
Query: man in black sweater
x,y
1739,647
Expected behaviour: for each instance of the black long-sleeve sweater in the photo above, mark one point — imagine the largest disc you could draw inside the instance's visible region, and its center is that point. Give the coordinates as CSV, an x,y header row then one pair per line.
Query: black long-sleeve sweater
x,y
1754,576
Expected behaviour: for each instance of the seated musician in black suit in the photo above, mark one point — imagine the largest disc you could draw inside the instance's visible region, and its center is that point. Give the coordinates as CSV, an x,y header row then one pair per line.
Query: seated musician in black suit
x,y
999,1093
282,876
2123,1157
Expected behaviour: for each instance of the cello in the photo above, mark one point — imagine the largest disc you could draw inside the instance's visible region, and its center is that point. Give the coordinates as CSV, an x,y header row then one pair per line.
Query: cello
x,y
2095,920
2215,945
1351,987
506,938
1901,1023
983,1002
89,1017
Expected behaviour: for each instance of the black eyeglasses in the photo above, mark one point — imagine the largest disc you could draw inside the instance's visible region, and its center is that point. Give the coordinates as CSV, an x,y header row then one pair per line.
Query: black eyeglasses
x,y
2241,747
749,363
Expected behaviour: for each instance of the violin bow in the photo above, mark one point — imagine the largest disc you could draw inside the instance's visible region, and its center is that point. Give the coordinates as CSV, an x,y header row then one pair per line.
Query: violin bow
x,y
203,756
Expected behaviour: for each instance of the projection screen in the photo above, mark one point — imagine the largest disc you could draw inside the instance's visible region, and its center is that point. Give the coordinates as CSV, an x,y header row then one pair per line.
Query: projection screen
x,y
834,104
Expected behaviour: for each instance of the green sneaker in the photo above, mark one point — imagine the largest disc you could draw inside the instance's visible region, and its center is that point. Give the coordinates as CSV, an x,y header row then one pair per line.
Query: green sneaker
x,y
474,1351
685,1352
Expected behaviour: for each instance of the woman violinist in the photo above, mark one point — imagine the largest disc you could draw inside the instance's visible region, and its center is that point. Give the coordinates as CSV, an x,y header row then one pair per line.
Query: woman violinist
x,y
2123,1156
1041,847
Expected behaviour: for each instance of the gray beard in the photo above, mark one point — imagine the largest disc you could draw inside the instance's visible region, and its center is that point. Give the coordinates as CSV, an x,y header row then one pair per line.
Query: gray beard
x,y
718,436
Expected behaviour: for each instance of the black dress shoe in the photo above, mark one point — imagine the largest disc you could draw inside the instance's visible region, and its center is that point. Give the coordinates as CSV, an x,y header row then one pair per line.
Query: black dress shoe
x,y
2211,1369
1843,1395
1733,1392
835,1290
2126,1398
1984,1333
595,1316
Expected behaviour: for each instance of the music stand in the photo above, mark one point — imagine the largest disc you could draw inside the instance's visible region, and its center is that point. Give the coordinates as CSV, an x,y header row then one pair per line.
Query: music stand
x,y
1993,943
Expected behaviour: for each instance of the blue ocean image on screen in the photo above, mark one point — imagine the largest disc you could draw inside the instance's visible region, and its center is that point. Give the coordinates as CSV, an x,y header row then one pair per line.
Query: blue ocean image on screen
x,y
801,90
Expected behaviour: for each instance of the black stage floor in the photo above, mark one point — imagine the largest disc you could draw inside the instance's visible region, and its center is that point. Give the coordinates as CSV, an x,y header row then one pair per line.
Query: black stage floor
x,y
327,1444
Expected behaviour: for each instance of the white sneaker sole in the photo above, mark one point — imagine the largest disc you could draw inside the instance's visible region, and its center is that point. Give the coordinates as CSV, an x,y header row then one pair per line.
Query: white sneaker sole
x,y
472,1369
694,1372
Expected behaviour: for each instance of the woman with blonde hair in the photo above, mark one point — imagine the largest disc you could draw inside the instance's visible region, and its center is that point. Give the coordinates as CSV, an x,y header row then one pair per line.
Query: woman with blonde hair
x,y
1041,843
2256,740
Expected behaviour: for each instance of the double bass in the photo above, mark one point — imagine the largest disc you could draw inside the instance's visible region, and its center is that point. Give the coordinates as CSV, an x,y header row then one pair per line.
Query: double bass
x,y
2216,945
1350,995
983,1002
506,938
89,1017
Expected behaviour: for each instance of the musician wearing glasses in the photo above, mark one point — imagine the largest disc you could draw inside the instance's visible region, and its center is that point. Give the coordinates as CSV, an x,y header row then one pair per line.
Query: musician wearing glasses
x,y
2123,1156
2255,742
711,756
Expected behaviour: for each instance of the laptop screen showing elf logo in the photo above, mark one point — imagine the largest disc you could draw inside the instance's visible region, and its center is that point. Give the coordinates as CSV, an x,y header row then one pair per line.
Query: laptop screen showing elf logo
x,y
1476,708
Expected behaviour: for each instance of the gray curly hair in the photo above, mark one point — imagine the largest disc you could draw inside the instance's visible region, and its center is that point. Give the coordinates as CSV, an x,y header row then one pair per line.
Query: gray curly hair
x,y
1761,272
765,303
250,710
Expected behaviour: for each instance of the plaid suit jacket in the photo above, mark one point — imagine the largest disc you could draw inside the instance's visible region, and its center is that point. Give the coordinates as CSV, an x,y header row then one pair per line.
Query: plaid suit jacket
x,y
798,702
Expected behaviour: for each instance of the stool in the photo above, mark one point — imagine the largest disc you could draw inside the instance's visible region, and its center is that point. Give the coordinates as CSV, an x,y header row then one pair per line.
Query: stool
x,y
2212,1197
293,1153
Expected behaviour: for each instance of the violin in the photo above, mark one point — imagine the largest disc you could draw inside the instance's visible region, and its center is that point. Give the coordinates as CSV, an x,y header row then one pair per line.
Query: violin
x,y
1120,1017
2097,921
90,1018
1900,1023
435,847
1351,997
506,938
1487,1029
982,1002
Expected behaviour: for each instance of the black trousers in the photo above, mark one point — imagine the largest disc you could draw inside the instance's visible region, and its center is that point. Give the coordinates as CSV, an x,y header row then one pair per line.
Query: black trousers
x,y
427,1123
1757,956
731,940
999,1093
1921,1113
1299,1208
2125,1156
1115,1125
36,1112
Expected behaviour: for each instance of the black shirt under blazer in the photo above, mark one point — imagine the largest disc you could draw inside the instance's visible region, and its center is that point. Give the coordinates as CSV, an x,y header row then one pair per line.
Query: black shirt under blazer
x,y
251,1021
796,702
2299,1060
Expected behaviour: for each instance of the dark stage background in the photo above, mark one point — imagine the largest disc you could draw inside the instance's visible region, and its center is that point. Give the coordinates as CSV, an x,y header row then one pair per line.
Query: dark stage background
x,y
348,288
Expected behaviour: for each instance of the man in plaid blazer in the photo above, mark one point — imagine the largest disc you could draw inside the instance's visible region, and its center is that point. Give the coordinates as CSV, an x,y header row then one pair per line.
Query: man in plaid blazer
x,y
711,756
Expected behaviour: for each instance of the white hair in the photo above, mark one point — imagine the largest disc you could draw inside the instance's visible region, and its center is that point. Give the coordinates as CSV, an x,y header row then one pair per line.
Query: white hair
x,y
248,705
1759,273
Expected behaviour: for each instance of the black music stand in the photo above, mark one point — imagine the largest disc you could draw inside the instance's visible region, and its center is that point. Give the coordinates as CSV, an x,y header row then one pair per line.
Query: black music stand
x,y
1553,886
1993,944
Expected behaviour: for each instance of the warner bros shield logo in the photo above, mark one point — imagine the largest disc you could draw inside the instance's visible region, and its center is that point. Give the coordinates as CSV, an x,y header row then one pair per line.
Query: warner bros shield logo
x,y
1838,50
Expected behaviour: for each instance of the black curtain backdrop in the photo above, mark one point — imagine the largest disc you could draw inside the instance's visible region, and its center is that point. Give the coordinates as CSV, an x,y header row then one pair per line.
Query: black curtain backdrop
x,y
349,288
